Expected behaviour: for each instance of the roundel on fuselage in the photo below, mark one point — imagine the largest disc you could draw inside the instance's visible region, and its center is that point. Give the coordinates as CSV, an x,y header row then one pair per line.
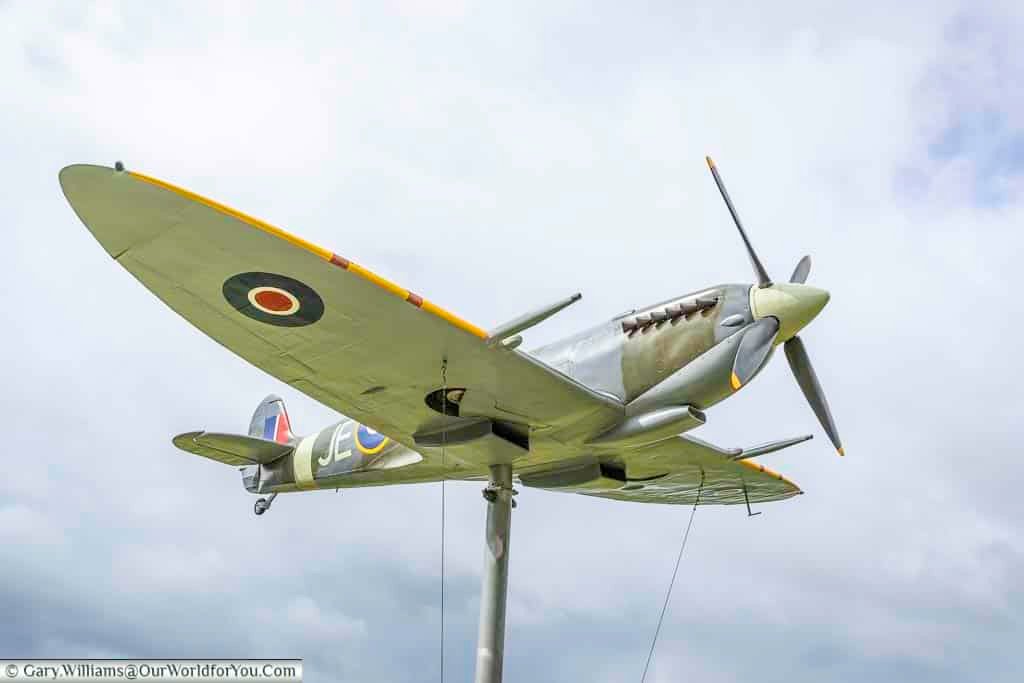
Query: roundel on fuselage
x,y
369,441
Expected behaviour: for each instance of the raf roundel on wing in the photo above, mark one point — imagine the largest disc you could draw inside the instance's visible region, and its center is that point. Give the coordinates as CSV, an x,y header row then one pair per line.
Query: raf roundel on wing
x,y
273,299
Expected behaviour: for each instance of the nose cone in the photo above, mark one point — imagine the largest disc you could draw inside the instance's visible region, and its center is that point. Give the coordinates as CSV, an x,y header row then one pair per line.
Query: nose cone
x,y
794,305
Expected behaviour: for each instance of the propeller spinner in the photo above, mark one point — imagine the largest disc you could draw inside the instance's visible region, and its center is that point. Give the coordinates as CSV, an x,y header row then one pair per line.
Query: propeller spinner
x,y
780,310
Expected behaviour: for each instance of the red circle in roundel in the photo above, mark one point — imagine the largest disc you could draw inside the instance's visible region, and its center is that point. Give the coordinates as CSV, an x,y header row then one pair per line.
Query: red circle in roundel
x,y
274,301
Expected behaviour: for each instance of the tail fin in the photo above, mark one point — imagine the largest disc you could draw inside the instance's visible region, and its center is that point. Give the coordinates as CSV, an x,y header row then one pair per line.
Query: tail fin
x,y
270,421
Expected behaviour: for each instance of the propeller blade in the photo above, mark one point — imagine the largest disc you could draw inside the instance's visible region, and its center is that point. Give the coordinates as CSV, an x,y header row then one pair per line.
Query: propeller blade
x,y
753,351
801,271
802,369
762,275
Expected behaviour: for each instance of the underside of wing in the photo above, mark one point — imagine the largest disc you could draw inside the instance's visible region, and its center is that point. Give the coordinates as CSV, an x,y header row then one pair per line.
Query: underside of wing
x,y
674,472
323,324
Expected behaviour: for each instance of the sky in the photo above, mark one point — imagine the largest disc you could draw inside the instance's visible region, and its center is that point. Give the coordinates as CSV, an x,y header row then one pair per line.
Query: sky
x,y
493,158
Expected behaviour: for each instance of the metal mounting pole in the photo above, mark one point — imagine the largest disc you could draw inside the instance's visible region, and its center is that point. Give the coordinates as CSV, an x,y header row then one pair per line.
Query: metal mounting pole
x,y
490,649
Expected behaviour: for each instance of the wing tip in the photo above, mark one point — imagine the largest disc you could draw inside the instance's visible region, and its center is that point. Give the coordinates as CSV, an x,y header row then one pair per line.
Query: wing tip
x,y
771,473
72,172
186,439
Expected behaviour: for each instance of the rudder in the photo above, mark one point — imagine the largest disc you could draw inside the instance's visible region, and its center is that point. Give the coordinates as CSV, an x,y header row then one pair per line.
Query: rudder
x,y
270,421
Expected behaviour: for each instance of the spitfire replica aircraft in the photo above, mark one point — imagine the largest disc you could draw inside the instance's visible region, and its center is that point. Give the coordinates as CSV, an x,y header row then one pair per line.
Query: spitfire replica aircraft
x,y
432,397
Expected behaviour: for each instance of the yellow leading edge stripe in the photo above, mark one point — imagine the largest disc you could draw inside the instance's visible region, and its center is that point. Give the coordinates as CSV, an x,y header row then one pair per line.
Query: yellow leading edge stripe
x,y
761,468
325,254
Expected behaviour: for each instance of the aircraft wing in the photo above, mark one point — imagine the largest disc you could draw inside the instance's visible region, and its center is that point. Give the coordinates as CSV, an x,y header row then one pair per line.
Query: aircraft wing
x,y
317,321
671,471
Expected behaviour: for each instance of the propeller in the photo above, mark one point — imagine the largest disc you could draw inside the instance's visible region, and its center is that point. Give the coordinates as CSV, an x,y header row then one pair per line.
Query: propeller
x,y
786,307
753,351
762,274
801,271
800,364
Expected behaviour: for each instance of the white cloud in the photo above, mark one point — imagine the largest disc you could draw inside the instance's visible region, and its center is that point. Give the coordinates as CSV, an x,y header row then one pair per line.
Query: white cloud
x,y
309,619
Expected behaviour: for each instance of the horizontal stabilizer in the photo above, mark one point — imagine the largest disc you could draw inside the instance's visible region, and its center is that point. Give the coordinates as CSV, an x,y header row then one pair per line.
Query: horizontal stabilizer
x,y
231,449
